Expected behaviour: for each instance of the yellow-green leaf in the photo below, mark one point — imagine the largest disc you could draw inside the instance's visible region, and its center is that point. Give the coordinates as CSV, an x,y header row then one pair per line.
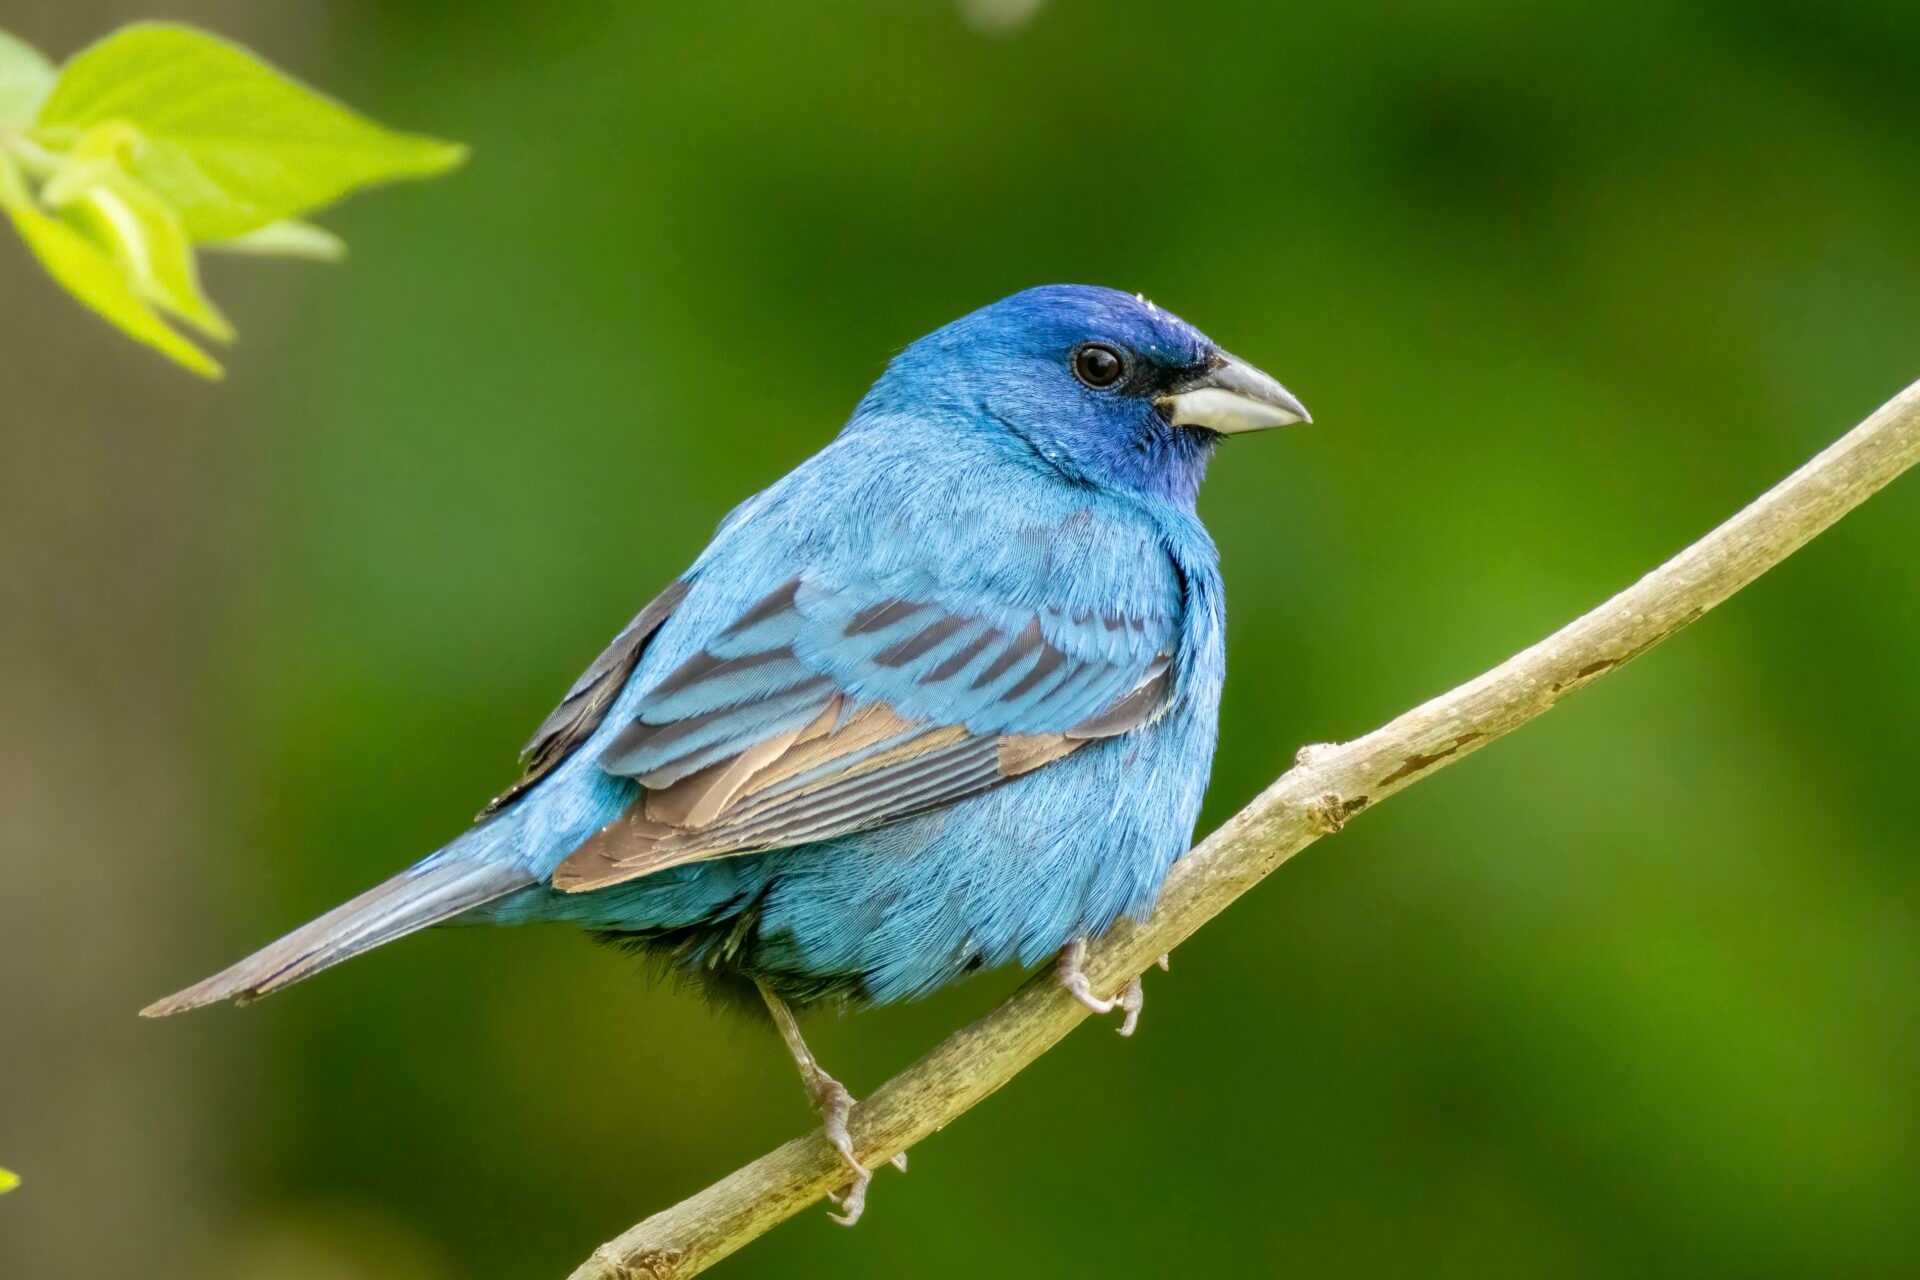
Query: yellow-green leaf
x,y
288,238
232,143
91,275
8,1180
152,249
25,77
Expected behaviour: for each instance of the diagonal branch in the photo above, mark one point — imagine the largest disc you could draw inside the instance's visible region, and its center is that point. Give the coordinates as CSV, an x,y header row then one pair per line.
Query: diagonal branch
x,y
1328,785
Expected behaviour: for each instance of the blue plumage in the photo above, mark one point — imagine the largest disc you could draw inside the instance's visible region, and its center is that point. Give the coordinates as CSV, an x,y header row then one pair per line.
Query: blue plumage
x,y
937,511
942,698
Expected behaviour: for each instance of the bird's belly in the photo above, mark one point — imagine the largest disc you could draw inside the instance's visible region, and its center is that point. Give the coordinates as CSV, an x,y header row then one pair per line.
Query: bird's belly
x,y
893,913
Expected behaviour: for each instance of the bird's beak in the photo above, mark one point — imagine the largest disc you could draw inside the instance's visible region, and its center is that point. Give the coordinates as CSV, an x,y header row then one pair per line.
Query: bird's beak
x,y
1231,396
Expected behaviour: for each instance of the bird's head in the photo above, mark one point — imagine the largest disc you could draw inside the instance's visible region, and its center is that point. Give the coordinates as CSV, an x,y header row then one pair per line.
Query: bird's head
x,y
1103,386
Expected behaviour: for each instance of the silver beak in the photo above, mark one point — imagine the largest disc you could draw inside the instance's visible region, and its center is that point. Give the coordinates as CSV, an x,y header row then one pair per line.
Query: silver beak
x,y
1232,397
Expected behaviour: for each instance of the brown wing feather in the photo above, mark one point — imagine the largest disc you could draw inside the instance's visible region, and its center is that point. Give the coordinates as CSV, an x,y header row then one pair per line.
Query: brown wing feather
x,y
783,790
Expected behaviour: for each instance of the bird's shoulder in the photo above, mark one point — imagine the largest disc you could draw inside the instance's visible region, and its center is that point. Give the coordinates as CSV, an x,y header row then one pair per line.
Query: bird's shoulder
x,y
971,516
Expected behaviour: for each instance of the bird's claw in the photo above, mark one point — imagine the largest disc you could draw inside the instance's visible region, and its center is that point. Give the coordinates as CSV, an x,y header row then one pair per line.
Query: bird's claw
x,y
852,1202
835,1106
1129,1001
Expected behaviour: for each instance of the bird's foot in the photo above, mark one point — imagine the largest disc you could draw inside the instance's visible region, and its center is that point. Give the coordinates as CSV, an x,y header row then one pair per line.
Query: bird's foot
x,y
835,1105
1129,1001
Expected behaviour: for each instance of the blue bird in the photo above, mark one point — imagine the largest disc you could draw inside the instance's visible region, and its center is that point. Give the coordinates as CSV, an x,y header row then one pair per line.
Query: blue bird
x,y
942,698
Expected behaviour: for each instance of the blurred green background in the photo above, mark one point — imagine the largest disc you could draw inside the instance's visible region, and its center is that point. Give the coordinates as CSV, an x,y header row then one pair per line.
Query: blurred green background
x,y
1632,994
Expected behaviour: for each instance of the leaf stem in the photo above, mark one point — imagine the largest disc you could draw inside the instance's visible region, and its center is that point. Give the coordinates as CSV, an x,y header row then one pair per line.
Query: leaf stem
x,y
32,157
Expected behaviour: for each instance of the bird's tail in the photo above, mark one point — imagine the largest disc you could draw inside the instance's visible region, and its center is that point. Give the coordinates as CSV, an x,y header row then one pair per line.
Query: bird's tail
x,y
436,890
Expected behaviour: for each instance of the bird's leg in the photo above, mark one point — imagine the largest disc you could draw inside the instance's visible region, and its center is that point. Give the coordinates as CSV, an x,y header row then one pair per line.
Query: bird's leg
x,y
1074,979
835,1105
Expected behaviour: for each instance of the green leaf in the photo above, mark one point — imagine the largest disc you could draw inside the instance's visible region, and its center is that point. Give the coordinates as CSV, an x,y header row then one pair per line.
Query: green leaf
x,y
231,143
91,275
93,191
288,238
152,249
25,77
8,1180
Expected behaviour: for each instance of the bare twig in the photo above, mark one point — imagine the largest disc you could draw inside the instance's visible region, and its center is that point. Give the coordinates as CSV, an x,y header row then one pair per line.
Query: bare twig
x,y
1327,786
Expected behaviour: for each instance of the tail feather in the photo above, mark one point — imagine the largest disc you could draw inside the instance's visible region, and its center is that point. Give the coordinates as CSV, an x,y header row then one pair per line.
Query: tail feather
x,y
411,900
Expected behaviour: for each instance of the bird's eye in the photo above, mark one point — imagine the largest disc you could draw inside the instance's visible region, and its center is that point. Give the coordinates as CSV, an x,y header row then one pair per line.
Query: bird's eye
x,y
1098,365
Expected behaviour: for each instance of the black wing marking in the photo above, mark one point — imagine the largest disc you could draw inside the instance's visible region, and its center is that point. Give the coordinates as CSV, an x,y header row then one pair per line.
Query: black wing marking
x,y
585,706
750,746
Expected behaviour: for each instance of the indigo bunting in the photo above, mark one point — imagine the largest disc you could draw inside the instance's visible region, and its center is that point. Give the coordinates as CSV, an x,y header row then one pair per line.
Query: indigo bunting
x,y
942,698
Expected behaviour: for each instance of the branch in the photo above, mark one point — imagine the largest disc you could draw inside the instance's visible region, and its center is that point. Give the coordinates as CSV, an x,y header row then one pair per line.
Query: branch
x,y
1327,786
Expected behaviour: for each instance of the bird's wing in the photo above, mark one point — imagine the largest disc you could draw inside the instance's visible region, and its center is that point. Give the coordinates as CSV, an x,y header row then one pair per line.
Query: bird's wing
x,y
822,711
585,706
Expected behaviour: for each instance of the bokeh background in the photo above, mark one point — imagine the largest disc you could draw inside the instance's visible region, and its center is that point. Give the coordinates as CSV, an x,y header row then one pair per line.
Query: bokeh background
x,y
1631,994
